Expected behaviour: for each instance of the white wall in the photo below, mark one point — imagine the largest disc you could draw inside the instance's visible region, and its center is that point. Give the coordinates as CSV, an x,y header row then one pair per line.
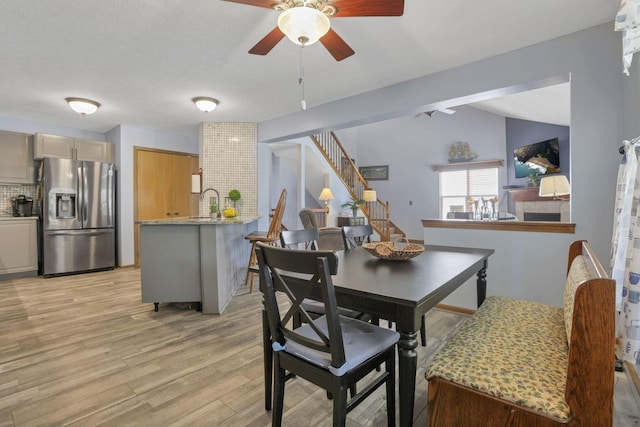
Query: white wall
x,y
599,122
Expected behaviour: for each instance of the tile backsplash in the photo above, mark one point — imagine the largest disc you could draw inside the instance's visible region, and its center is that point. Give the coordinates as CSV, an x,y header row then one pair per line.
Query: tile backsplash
x,y
229,161
9,191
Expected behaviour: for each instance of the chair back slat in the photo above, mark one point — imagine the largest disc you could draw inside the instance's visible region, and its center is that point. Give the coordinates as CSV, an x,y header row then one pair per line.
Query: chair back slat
x,y
356,235
293,238
298,274
276,220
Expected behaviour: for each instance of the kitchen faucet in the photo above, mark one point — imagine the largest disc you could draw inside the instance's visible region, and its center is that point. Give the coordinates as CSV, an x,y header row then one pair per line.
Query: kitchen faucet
x,y
218,214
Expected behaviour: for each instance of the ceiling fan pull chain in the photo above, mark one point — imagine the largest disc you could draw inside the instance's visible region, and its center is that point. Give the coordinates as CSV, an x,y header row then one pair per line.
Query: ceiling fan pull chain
x,y
303,103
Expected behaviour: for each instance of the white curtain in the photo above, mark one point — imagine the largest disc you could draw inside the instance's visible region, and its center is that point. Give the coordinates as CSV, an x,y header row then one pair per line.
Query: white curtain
x,y
625,254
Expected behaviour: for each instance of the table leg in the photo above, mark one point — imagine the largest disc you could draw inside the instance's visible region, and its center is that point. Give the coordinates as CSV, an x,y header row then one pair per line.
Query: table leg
x,y
407,364
268,361
482,284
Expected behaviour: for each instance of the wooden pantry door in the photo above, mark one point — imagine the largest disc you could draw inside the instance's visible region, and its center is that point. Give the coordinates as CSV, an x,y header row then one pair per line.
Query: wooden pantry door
x,y
162,187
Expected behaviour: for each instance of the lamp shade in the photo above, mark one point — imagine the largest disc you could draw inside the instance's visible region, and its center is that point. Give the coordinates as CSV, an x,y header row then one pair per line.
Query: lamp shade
x,y
326,194
552,186
369,195
205,104
82,105
303,25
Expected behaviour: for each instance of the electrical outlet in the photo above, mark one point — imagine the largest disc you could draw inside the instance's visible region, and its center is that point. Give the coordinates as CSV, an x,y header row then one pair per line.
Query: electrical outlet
x,y
410,202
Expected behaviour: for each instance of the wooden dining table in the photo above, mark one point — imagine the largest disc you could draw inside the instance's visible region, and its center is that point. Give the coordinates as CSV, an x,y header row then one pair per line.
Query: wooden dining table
x,y
401,292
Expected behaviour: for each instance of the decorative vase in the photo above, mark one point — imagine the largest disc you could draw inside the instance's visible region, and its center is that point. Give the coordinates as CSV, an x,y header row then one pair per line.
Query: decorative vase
x,y
354,211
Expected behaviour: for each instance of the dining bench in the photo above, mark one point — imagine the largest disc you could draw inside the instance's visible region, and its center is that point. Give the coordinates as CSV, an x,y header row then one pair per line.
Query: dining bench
x,y
523,363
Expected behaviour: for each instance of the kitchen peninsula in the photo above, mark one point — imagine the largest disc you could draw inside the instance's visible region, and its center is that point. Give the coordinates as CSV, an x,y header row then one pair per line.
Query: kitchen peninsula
x,y
194,259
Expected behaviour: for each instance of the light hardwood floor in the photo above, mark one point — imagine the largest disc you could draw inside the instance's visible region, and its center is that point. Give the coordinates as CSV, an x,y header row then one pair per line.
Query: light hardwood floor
x,y
83,351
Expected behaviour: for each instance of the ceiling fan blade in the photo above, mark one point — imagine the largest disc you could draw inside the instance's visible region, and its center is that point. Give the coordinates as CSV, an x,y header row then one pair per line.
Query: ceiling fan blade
x,y
337,47
259,3
268,42
367,8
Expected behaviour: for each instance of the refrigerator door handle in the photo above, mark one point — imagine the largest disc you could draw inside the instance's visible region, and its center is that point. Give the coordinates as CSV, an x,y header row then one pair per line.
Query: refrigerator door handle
x,y
91,232
80,198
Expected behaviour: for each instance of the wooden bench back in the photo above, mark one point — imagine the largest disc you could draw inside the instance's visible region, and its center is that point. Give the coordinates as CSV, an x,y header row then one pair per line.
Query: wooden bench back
x,y
590,373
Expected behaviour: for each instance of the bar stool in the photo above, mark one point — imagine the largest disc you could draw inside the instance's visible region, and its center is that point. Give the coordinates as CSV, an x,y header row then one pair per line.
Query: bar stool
x,y
270,237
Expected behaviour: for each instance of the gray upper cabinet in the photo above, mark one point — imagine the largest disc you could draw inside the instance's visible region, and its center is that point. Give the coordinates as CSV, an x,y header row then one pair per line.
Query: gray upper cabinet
x,y
16,158
72,148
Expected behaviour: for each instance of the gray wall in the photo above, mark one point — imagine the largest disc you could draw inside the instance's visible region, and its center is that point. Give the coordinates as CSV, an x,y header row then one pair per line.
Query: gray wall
x,y
604,110
411,145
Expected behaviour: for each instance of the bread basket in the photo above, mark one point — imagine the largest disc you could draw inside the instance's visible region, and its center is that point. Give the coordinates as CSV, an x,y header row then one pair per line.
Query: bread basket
x,y
389,251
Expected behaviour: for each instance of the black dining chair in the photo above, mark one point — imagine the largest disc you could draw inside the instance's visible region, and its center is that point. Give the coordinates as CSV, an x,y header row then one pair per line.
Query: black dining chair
x,y
332,351
356,235
292,239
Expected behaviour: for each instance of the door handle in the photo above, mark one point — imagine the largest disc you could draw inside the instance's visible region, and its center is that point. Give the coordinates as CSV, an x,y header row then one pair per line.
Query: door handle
x,y
168,213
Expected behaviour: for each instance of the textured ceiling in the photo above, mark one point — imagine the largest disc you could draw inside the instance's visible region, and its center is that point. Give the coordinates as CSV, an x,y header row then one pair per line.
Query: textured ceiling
x,y
144,60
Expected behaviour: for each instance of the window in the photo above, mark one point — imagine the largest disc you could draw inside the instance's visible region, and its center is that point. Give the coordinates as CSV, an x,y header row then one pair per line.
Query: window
x,y
468,190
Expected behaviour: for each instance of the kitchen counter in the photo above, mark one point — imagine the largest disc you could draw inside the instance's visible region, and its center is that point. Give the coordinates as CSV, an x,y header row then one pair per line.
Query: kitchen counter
x,y
201,220
194,259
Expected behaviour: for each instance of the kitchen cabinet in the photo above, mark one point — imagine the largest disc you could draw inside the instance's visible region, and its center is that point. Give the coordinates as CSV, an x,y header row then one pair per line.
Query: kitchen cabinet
x,y
18,246
16,158
72,148
194,260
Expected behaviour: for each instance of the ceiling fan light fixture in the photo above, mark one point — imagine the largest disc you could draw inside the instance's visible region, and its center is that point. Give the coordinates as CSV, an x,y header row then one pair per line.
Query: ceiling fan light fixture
x,y
205,104
82,105
303,25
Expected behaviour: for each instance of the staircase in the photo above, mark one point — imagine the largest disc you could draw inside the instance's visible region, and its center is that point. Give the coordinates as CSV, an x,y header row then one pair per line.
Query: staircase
x,y
376,212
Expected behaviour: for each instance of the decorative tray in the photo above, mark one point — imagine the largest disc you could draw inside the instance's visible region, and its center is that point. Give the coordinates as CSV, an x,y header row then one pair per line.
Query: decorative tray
x,y
389,250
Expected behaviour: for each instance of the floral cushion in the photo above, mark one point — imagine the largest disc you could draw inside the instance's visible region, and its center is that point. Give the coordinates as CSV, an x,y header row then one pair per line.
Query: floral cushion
x,y
577,274
512,349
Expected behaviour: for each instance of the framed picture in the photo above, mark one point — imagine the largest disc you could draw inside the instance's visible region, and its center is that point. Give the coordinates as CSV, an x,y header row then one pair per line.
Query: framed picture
x,y
375,173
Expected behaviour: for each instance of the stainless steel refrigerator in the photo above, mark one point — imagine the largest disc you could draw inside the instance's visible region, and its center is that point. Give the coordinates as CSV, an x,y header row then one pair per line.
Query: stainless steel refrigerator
x,y
78,216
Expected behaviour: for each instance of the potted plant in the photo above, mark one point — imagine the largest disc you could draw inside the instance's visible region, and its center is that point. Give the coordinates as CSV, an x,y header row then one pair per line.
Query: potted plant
x,y
353,204
234,196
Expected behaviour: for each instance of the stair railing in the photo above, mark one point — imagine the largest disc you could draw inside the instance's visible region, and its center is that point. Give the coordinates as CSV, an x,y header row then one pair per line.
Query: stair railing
x,y
376,212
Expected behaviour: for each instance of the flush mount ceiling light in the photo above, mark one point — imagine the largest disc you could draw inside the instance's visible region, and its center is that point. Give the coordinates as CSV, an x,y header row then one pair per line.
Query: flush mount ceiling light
x,y
205,104
82,105
303,25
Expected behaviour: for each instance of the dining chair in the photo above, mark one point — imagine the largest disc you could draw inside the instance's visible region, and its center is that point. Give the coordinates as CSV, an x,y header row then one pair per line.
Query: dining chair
x,y
271,236
356,235
332,351
292,239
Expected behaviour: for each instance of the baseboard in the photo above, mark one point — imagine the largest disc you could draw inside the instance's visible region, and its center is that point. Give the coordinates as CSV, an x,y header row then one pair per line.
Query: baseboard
x,y
634,373
455,309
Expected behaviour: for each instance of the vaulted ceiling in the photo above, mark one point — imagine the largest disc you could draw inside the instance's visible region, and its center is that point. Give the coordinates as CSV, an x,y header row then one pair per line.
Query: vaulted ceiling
x,y
144,60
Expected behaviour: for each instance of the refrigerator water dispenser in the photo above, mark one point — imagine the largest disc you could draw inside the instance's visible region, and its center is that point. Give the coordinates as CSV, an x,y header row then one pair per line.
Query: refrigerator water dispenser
x,y
65,205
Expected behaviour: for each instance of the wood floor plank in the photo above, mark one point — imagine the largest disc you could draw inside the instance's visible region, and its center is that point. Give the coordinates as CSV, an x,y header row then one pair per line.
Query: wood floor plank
x,y
84,351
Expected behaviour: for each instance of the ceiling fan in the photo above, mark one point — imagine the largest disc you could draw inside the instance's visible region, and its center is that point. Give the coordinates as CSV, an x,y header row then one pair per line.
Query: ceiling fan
x,y
313,21
432,112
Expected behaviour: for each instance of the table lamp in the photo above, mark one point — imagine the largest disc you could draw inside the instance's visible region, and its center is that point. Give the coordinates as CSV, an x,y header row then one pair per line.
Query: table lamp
x,y
554,186
326,195
369,195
